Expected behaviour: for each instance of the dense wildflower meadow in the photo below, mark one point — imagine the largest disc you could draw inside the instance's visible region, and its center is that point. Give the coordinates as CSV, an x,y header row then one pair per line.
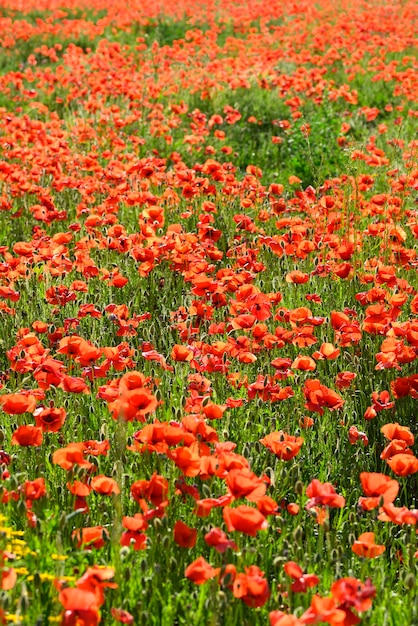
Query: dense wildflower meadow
x,y
209,312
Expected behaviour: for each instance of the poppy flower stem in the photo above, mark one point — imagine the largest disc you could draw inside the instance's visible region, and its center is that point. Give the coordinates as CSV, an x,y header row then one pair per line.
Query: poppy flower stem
x,y
412,546
120,446
364,568
323,535
320,539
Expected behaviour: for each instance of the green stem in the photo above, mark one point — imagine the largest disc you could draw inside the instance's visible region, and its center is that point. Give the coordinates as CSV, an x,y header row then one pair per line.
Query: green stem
x,y
120,445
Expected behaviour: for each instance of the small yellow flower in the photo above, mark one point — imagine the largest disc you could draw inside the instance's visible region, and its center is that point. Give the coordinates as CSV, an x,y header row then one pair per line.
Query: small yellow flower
x,y
45,576
5,530
18,547
59,557
21,570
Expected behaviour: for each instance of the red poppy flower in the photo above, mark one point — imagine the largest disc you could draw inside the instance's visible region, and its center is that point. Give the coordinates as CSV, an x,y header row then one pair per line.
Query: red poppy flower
x,y
96,448
216,538
354,435
351,592
326,351
366,547
403,464
323,494
260,306
302,581
306,422
397,446
73,384
155,489
323,610
398,515
81,601
133,539
381,401
49,419
204,506
243,321
297,277
8,578
90,537
396,431
293,508
244,519
187,459
27,436
181,353
319,396
18,403
377,487
76,346
252,588
34,489
78,488
134,404
278,618
286,447
104,485
71,455
214,411
122,616
343,380
200,571
243,483
304,363
402,387
184,536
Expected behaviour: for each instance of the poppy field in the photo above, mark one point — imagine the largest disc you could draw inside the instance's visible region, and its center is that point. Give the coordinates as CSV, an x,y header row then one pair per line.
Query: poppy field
x,y
209,312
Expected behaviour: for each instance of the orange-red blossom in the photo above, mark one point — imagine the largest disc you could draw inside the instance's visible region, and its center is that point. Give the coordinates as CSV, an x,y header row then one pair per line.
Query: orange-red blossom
x,y
285,446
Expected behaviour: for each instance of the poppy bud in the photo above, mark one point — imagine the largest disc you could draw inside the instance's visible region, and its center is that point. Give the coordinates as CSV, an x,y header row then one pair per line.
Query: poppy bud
x,y
124,552
352,518
299,487
409,581
62,520
37,580
21,507
286,546
335,556
206,491
298,535
24,599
